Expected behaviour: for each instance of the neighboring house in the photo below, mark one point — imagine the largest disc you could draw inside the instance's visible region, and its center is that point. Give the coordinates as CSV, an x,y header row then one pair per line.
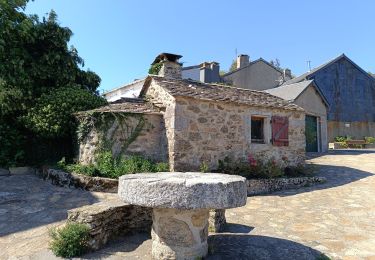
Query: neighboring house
x,y
307,95
206,72
256,75
130,90
189,123
350,92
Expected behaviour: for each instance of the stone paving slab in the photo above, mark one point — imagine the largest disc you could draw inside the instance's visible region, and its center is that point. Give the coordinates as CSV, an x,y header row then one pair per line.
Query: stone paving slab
x,y
336,218
29,206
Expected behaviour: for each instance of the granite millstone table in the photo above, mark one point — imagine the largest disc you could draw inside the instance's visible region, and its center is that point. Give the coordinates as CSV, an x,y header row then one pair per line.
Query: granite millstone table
x,y
181,204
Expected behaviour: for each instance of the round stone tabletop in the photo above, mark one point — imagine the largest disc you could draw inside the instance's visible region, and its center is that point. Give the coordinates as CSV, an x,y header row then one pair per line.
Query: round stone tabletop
x,y
183,190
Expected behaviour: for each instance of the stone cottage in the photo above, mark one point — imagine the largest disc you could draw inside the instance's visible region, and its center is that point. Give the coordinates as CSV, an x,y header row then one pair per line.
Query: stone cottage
x,y
187,122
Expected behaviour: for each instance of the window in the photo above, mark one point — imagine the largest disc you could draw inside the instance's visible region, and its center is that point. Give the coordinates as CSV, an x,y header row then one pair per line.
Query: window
x,y
257,129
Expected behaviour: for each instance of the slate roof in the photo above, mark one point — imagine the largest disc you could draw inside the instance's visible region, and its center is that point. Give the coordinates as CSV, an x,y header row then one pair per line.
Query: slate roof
x,y
221,93
310,73
292,91
126,105
252,63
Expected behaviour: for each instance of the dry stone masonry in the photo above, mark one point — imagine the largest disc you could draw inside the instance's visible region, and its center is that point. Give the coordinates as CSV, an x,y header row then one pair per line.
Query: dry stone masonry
x,y
181,203
109,219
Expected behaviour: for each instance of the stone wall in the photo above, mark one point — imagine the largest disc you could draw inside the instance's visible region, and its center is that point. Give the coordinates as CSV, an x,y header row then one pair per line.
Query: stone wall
x,y
159,97
151,142
265,186
206,131
72,180
109,219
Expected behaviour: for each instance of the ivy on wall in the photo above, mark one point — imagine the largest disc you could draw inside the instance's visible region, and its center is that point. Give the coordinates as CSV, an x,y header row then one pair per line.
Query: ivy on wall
x,y
107,124
155,68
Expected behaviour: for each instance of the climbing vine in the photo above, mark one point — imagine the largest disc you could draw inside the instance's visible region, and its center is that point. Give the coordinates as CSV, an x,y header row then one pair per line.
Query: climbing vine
x,y
155,68
107,124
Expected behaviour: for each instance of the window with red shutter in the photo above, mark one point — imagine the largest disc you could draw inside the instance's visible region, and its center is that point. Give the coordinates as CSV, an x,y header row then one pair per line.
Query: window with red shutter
x,y
280,127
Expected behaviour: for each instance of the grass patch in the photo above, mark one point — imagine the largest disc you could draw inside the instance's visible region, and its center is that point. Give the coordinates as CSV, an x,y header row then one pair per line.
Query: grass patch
x,y
70,240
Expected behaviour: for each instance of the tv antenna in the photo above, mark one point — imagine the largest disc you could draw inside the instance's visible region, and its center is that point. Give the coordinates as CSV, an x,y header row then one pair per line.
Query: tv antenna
x,y
309,64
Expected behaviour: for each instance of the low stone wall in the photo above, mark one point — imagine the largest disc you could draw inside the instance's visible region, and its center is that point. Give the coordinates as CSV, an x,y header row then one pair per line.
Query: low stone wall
x,y
263,186
109,219
65,179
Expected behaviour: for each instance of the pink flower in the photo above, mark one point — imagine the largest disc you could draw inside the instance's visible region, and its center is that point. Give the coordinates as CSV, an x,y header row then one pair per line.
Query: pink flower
x,y
252,161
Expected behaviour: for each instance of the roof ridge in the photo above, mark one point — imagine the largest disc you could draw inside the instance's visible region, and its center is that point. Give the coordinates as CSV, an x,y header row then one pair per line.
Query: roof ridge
x,y
220,93
217,85
238,69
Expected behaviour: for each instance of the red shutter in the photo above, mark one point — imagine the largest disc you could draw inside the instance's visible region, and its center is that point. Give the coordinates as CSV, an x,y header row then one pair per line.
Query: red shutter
x,y
280,125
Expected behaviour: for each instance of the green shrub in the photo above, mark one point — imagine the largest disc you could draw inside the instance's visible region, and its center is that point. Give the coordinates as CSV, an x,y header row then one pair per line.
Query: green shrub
x,y
11,143
370,140
89,170
255,167
106,164
204,167
342,138
109,167
162,167
69,241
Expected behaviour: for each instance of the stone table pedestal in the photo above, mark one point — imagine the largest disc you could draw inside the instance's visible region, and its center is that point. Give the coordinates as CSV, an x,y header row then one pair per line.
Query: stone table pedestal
x,y
181,204
178,233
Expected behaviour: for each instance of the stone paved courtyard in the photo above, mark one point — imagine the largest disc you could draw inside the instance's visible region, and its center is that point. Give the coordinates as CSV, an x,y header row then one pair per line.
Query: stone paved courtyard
x,y
336,218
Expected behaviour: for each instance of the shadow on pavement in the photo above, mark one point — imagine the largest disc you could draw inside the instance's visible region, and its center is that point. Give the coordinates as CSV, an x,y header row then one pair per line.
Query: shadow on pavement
x,y
341,152
27,201
124,244
336,176
237,228
244,246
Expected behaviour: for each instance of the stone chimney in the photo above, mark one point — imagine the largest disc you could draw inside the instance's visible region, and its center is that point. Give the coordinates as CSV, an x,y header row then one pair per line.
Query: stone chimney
x,y
170,67
287,74
209,72
242,60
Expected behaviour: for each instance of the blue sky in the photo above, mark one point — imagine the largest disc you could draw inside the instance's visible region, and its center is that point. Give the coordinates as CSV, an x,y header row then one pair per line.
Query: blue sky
x,y
119,39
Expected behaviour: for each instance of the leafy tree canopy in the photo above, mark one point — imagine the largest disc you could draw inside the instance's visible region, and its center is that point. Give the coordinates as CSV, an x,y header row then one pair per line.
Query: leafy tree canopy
x,y
52,115
233,66
276,63
42,80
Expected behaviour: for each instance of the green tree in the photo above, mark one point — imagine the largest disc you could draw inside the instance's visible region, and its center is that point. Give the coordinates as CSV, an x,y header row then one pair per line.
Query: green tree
x,y
233,66
276,63
39,73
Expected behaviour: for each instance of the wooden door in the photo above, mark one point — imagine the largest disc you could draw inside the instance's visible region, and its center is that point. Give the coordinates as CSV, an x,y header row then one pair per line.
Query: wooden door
x,y
311,132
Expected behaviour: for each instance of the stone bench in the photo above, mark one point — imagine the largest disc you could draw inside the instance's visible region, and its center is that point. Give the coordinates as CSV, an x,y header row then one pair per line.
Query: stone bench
x,y
181,204
109,219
